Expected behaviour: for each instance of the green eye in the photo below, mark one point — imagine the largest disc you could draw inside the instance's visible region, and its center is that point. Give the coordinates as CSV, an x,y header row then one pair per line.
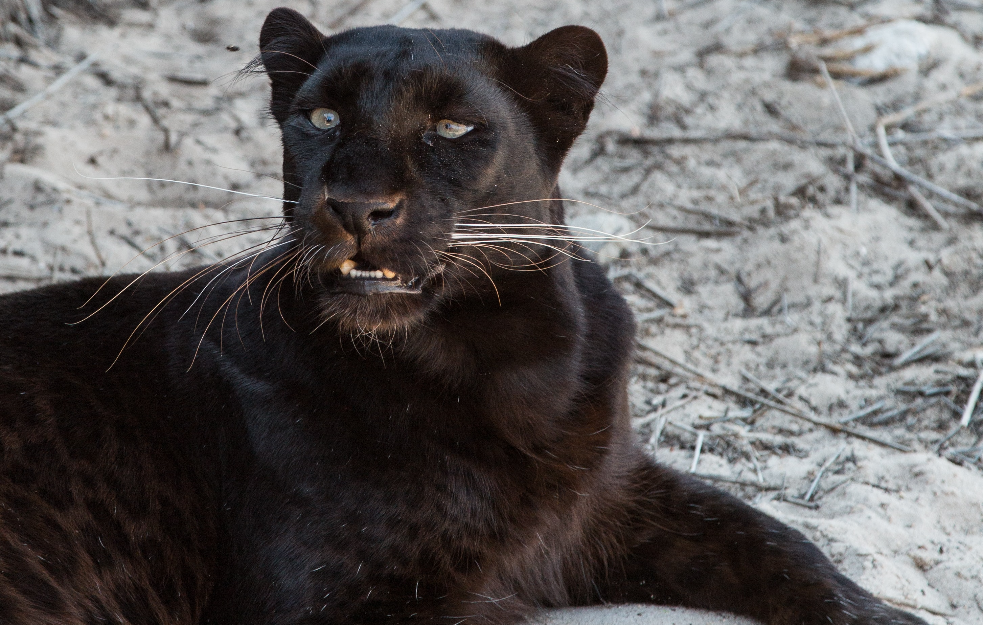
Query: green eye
x,y
452,130
325,119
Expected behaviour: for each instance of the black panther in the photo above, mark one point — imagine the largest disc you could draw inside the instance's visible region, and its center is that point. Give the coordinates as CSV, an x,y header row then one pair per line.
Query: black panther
x,y
408,406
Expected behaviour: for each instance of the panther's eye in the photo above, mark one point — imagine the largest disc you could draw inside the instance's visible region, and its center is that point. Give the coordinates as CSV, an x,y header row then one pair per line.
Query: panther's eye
x,y
452,130
325,119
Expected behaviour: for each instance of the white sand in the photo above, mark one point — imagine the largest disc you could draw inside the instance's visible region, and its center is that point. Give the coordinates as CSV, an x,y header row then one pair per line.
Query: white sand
x,y
832,296
636,615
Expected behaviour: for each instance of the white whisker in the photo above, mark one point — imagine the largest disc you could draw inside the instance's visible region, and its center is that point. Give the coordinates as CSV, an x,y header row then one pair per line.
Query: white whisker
x,y
533,265
171,256
264,247
595,235
197,245
190,184
557,199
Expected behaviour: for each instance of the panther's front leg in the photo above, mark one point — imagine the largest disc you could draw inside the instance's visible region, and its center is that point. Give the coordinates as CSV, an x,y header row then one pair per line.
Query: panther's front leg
x,y
693,545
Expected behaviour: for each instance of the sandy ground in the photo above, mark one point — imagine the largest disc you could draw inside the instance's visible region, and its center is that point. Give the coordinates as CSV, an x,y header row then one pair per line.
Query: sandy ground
x,y
766,273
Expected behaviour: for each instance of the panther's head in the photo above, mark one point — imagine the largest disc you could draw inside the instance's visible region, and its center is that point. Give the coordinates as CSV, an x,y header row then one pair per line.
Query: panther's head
x,y
406,152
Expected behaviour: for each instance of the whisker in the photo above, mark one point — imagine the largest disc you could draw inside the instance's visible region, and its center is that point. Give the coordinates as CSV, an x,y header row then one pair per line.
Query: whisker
x,y
251,255
480,268
220,223
507,253
152,314
286,71
261,174
185,182
172,256
224,305
248,282
452,262
508,264
557,199
536,237
503,250
265,246
301,268
532,265
273,238
279,308
597,235
149,318
262,299
285,53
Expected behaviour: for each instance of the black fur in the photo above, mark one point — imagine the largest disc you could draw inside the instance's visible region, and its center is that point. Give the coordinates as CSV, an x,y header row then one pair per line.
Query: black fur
x,y
281,444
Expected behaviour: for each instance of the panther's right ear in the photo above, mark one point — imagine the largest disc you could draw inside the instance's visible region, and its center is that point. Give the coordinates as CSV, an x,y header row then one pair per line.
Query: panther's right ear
x,y
289,49
557,78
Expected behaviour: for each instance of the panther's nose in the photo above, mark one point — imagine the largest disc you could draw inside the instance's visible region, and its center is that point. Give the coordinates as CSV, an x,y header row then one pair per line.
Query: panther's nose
x,y
360,215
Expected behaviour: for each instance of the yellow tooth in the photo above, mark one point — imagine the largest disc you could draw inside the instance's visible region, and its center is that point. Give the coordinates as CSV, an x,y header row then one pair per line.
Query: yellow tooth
x,y
347,266
389,274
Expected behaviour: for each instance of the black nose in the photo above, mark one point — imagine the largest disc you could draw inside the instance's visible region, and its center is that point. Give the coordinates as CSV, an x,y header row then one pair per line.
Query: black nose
x,y
359,217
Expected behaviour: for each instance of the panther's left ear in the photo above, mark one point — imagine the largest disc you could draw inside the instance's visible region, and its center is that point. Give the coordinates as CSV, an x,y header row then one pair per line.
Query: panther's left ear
x,y
289,49
557,78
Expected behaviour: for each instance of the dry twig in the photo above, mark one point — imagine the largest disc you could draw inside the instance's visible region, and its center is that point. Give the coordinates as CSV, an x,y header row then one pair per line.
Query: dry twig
x,y
697,230
945,439
898,117
747,375
624,138
917,352
646,285
156,119
937,135
92,238
903,410
343,17
193,80
800,502
652,416
839,103
58,83
863,413
888,159
919,181
920,199
734,480
822,470
705,212
836,427
696,451
822,37
657,434
974,397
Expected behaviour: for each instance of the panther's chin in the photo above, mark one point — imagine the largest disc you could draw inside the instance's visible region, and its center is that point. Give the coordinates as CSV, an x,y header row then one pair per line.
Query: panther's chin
x,y
374,309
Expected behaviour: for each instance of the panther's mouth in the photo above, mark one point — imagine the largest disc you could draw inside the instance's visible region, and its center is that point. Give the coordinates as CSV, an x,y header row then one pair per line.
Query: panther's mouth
x,y
359,277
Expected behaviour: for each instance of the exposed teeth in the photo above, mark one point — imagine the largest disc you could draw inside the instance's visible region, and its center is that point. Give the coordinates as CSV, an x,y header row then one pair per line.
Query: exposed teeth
x,y
348,270
362,273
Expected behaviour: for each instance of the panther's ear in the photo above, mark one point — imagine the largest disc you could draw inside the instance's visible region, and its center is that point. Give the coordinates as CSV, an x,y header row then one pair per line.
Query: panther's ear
x,y
289,48
557,78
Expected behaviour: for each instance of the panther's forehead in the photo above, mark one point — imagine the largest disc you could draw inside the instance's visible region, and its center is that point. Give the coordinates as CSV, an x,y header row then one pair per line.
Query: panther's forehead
x,y
416,72
360,75
412,46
